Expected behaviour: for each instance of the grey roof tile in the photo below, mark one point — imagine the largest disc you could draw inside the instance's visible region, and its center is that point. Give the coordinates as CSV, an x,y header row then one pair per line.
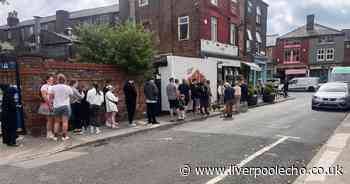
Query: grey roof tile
x,y
318,30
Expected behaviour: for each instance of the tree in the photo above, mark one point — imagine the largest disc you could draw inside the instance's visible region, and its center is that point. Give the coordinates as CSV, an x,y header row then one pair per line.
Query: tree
x,y
128,46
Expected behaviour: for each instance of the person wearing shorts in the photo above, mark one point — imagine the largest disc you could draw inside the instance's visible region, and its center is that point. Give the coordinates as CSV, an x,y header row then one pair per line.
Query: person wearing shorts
x,y
60,94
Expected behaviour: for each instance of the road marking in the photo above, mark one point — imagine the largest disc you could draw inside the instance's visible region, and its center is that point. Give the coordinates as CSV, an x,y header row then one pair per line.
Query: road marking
x,y
248,159
48,160
289,137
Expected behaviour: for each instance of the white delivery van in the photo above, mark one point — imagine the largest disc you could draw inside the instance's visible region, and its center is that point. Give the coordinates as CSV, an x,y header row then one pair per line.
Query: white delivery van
x,y
304,84
187,68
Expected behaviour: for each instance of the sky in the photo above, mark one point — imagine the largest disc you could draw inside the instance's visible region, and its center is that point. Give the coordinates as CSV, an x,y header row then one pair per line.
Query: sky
x,y
283,15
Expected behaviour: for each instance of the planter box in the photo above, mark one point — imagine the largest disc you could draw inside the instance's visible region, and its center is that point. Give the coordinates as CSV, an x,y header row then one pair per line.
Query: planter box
x,y
252,100
269,98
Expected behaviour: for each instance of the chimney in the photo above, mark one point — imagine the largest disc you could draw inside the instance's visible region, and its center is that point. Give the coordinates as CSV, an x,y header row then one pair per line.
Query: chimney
x,y
310,22
12,19
62,21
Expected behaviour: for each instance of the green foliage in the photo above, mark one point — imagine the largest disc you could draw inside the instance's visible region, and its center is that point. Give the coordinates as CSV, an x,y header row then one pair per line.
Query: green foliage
x,y
269,89
251,90
127,46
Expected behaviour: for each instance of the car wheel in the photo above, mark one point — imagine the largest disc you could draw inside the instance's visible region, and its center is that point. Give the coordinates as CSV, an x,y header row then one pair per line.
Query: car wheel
x,y
311,89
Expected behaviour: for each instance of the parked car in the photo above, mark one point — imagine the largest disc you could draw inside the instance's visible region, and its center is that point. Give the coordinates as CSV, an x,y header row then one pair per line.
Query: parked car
x,y
334,95
304,84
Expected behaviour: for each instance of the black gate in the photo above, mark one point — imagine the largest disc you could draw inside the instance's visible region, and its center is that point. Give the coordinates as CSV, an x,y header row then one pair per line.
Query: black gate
x,y
9,75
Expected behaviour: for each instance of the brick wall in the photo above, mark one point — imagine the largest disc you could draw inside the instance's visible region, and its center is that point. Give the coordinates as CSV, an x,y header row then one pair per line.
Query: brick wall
x,y
34,69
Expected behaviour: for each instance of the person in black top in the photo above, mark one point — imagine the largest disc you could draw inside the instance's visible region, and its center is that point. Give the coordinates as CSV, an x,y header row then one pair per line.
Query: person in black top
x,y
286,88
9,116
204,96
130,93
195,94
184,89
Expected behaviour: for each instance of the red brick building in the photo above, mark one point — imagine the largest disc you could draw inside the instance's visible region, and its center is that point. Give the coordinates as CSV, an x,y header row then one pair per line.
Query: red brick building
x,y
200,28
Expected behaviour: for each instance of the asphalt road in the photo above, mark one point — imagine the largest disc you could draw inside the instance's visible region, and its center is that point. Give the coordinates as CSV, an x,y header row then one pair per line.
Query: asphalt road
x,y
284,134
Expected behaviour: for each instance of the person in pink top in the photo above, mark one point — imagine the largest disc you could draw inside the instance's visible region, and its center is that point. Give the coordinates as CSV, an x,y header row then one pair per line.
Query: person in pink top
x,y
45,108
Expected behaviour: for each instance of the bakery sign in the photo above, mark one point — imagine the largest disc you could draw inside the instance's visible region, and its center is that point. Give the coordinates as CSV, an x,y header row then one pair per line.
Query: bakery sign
x,y
217,48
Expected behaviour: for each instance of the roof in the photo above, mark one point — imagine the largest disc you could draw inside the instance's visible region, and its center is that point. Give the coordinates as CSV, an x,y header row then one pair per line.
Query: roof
x,y
319,30
73,15
271,40
347,34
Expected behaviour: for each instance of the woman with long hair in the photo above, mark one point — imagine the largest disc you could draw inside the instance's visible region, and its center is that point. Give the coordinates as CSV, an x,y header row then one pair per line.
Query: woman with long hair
x,y
95,99
45,106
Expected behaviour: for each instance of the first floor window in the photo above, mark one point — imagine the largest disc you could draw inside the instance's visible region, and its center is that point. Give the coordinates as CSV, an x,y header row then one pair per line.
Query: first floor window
x,y
143,3
330,54
214,29
184,28
248,46
258,15
233,34
292,55
321,54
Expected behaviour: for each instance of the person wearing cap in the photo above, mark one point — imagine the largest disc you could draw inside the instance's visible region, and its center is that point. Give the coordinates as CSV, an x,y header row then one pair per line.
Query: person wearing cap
x,y
111,107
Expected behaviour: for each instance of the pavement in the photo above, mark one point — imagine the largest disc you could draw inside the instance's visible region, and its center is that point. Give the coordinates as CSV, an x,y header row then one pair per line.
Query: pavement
x,y
34,147
333,156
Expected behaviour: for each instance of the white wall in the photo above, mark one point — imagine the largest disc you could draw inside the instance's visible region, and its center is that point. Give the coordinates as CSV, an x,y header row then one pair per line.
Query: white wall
x,y
183,68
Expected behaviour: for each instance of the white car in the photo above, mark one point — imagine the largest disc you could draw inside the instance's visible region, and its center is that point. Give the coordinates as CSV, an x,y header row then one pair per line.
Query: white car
x,y
332,95
304,84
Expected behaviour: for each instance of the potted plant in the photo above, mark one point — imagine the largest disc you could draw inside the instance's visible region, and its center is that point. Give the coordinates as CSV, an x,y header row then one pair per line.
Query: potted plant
x,y
269,95
252,96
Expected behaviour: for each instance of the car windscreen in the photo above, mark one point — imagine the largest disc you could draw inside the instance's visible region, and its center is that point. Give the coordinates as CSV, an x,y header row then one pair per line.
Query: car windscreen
x,y
333,88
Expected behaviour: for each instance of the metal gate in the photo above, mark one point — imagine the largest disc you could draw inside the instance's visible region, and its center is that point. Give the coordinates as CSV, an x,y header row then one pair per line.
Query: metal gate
x,y
9,75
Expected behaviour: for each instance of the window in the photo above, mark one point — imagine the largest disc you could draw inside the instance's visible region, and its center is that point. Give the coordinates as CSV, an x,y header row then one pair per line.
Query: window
x,y
249,33
248,46
22,34
143,3
9,35
258,37
330,54
184,28
31,30
258,47
214,29
326,39
234,6
292,55
233,34
321,54
234,1
348,46
258,15
250,7
214,2
45,27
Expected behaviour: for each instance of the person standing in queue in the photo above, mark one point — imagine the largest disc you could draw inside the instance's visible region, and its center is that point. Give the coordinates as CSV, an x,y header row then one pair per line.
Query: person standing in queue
x,y
195,95
9,116
229,95
45,108
95,98
130,94
151,94
184,89
171,92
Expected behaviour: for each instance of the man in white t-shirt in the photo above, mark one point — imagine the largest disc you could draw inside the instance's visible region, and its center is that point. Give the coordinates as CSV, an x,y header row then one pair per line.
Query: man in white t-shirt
x,y
60,95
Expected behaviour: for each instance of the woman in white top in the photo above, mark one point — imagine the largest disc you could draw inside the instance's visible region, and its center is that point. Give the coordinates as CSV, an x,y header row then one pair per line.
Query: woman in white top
x,y
60,95
95,98
111,107
45,106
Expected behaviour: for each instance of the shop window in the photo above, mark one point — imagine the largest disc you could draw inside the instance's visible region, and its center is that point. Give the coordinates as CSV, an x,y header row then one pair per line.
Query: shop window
x,y
330,54
184,28
214,29
321,54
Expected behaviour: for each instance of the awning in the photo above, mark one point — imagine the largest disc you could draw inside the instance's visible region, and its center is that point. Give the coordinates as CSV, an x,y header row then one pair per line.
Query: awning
x,y
226,62
253,66
295,71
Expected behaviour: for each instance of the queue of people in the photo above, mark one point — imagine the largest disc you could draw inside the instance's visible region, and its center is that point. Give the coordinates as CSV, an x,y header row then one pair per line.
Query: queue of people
x,y
81,107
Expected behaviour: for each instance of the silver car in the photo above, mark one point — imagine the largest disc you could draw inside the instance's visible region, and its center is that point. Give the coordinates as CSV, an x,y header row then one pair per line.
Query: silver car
x,y
332,95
